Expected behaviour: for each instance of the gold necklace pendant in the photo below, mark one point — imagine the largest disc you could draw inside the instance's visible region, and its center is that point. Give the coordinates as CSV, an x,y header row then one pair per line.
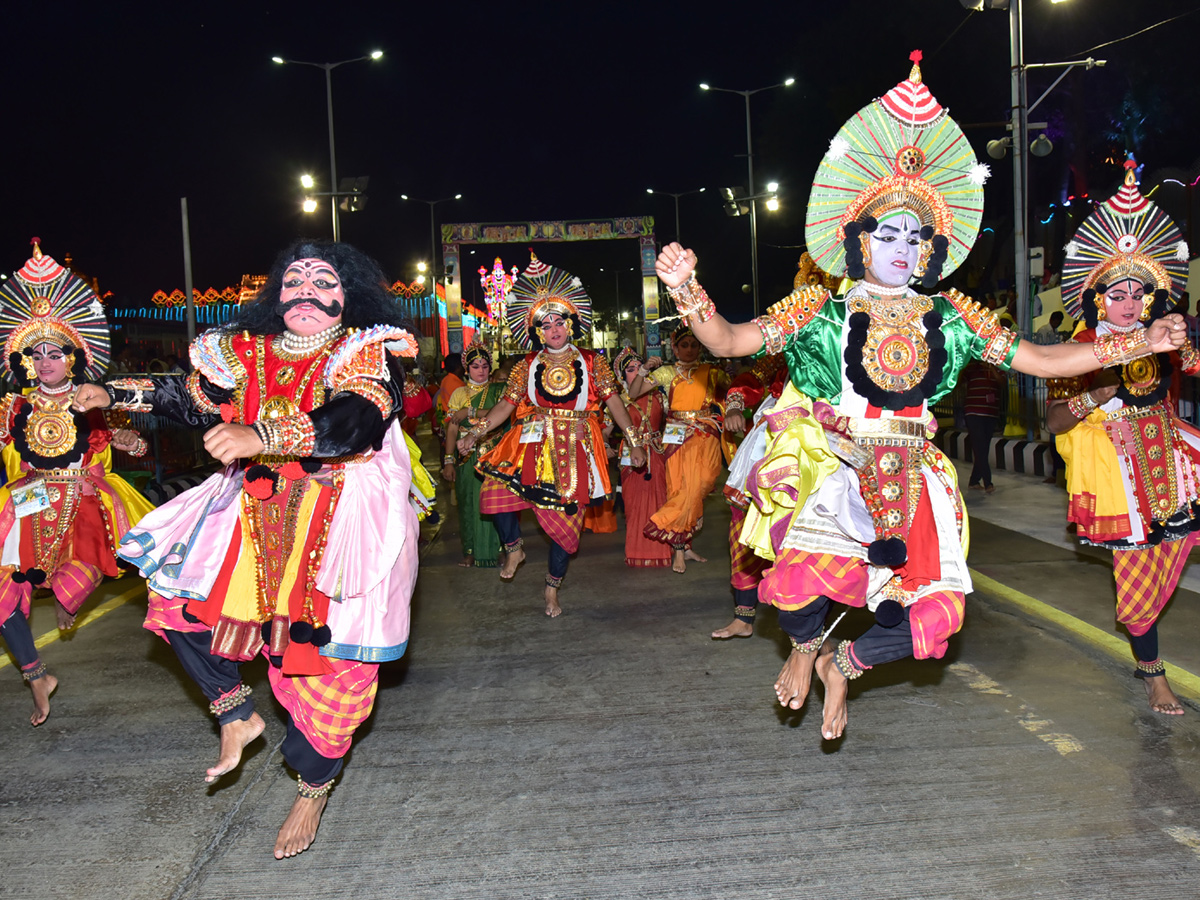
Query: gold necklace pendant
x,y
559,376
50,430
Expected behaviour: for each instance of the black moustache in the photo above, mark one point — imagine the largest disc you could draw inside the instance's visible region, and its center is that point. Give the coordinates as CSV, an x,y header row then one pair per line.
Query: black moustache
x,y
333,310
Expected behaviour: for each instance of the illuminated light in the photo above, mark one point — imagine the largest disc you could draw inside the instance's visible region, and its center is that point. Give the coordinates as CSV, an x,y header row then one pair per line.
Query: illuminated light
x,y
306,182
1046,221
278,60
497,285
772,186
310,205
420,279
789,82
376,54
986,230
773,204
704,87
421,267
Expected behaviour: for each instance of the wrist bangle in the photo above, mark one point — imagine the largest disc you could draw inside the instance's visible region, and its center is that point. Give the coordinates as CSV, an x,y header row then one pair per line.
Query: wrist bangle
x,y
691,299
1082,404
1117,349
447,460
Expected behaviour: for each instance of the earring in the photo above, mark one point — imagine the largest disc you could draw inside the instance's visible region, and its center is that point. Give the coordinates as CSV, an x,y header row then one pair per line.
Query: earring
x,y
924,252
864,240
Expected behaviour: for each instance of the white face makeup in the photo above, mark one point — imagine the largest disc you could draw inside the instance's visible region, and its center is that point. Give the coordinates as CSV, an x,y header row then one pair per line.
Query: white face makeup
x,y
554,331
50,364
1123,302
895,246
631,371
311,298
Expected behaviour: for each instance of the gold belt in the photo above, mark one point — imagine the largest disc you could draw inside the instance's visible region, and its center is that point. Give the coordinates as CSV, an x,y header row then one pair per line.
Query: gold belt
x,y
1137,412
567,413
60,474
685,415
887,428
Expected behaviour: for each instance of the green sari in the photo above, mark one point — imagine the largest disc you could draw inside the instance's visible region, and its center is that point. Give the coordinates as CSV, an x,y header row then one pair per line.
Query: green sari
x,y
479,538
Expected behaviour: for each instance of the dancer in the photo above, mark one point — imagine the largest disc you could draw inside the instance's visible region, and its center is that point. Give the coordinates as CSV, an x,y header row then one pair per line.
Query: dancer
x,y
62,509
1131,463
852,503
643,490
475,399
304,547
554,461
691,443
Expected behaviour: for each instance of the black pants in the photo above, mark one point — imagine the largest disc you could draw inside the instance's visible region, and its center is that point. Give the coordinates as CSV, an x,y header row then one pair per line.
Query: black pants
x,y
508,526
216,675
19,638
980,429
876,646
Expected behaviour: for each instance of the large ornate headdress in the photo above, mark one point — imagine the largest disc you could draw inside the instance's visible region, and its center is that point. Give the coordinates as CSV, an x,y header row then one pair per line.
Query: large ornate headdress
x,y
43,302
624,356
1125,237
541,290
902,151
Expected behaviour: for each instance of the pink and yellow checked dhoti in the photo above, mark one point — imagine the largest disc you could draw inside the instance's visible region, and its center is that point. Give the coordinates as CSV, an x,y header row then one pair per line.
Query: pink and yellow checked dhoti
x,y
746,568
1146,578
328,708
72,583
561,527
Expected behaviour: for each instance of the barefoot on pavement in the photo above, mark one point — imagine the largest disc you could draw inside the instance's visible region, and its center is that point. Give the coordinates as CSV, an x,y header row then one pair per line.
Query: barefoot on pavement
x,y
1162,698
42,689
795,678
300,827
66,620
234,738
511,563
736,628
836,687
553,610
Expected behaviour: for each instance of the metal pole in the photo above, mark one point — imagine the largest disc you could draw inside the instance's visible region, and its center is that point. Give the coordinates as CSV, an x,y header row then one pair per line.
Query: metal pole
x,y
617,294
432,251
333,200
1019,146
187,271
753,207
678,234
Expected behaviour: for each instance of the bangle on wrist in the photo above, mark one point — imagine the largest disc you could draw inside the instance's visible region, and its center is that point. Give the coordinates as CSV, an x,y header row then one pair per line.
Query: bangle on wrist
x,y
1120,348
1081,405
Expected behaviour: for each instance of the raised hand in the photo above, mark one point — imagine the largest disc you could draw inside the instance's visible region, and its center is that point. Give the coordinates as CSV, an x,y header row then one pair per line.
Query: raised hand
x,y
90,396
675,265
1167,333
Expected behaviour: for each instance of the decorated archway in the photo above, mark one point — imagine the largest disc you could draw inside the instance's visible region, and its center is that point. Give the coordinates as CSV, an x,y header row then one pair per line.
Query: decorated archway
x,y
639,228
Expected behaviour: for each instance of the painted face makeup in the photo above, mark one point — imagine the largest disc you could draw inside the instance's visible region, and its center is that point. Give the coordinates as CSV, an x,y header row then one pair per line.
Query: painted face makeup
x,y
631,371
895,246
311,299
687,349
1123,302
554,331
479,371
51,364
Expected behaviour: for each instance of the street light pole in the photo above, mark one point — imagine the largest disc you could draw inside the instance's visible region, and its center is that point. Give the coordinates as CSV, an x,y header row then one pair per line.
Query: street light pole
x,y
1020,128
329,67
746,95
678,232
432,225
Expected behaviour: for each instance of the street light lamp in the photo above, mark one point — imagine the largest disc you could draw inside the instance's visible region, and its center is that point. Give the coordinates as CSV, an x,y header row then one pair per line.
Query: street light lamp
x,y
432,225
678,233
746,95
329,67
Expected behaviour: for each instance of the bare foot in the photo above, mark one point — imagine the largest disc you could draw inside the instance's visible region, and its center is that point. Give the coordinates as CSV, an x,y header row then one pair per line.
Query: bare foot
x,y
300,827
795,678
677,562
1162,698
553,610
65,619
836,686
736,628
511,563
42,689
234,738
467,562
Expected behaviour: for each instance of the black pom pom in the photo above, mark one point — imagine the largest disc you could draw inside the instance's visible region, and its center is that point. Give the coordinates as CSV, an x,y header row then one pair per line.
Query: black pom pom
x,y
18,577
869,224
860,320
877,396
258,471
433,518
890,552
79,365
852,230
648,476
940,243
926,232
937,356
856,340
321,636
310,465
571,508
35,576
266,633
1101,288
889,614
1148,288
301,632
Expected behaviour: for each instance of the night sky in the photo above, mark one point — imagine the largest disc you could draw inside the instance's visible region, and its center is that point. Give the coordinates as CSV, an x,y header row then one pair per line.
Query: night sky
x,y
531,111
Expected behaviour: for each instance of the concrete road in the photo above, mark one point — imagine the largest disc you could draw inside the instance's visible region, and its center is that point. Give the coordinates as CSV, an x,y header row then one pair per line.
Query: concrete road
x,y
618,752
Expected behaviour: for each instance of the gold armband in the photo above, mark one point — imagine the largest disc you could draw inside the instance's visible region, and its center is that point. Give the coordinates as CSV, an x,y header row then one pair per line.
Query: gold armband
x,y
1118,349
692,300
287,435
